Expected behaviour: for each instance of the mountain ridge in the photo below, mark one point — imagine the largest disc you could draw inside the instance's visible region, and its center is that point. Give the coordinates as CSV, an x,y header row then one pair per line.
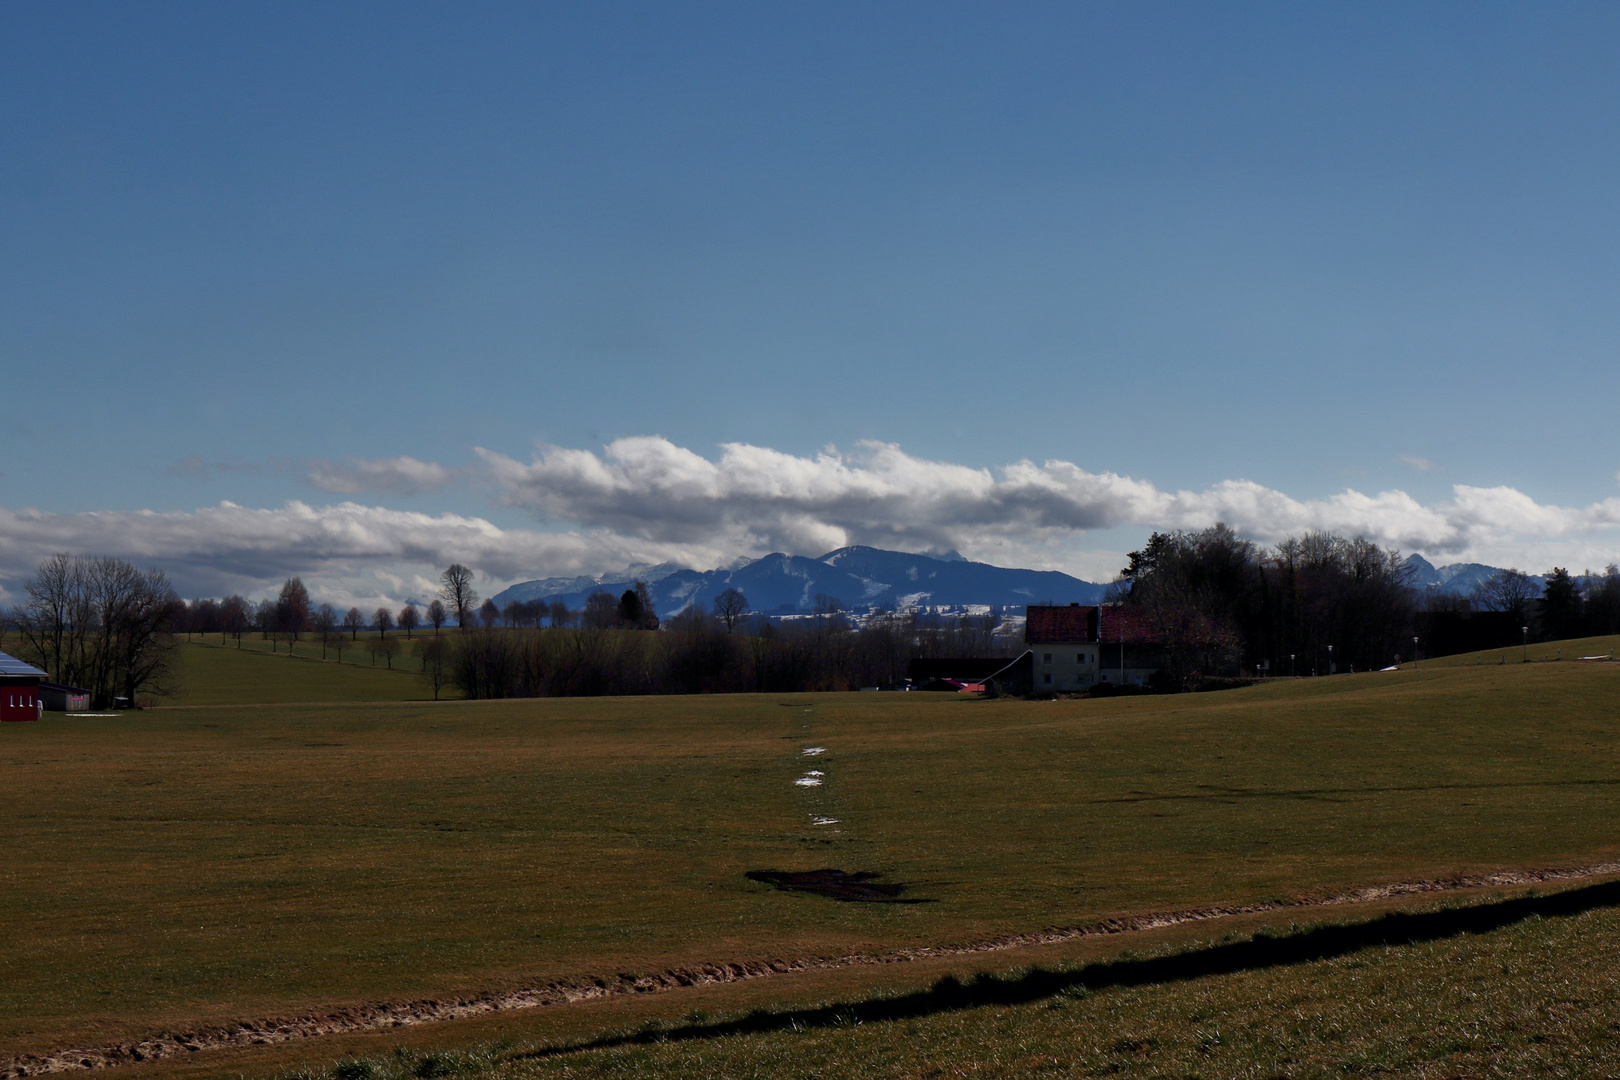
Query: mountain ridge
x,y
863,579
859,578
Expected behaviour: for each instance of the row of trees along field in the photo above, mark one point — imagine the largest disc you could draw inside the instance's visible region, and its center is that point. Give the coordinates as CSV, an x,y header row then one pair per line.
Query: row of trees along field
x,y
714,652
607,646
1225,606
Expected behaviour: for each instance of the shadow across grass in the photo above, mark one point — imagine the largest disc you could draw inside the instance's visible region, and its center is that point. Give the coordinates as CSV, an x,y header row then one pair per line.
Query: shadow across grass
x,y
1254,954
859,887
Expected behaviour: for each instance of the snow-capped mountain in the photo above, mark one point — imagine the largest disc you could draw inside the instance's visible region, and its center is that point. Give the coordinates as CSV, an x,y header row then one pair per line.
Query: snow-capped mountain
x,y
1455,579
861,579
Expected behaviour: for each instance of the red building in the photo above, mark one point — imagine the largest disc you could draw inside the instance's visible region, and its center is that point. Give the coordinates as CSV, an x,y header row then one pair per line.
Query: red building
x,y
19,689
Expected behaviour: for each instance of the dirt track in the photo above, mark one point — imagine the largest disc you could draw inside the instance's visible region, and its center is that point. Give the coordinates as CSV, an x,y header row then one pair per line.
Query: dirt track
x,y
427,1010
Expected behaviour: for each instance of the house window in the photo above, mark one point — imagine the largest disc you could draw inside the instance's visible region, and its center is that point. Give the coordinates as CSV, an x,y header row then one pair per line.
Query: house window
x,y
1079,657
1046,679
1047,659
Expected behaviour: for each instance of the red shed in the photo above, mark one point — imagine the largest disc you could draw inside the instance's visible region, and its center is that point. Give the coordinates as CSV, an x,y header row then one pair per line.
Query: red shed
x,y
19,689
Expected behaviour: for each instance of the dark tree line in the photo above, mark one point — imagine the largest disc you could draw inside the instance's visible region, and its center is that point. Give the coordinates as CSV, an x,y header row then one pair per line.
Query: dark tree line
x,y
1566,606
696,653
1222,605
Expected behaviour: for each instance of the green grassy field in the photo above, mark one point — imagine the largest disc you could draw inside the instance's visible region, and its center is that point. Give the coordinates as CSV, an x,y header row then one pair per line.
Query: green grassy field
x,y
213,862
208,673
1531,995
1540,652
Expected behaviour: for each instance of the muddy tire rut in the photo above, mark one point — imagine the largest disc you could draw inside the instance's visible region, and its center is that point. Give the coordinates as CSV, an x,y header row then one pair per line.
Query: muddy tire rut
x,y
381,1016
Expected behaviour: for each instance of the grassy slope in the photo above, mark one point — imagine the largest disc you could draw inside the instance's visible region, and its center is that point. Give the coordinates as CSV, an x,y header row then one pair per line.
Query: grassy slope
x,y
1533,999
235,861
210,674
1570,649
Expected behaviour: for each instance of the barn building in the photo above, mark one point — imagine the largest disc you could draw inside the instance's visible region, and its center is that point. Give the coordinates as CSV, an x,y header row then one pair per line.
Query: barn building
x,y
19,689
1074,648
59,698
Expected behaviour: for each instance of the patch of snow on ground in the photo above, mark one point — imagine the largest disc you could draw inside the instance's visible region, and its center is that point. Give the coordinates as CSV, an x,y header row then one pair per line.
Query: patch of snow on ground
x,y
812,751
824,821
808,781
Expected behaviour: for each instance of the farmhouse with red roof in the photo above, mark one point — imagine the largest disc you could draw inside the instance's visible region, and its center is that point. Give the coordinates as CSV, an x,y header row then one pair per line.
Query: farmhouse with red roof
x,y
1077,646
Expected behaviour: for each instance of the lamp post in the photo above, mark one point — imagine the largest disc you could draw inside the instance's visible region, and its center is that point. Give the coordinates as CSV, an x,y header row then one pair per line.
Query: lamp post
x,y
1290,665
1414,650
1330,660
1524,654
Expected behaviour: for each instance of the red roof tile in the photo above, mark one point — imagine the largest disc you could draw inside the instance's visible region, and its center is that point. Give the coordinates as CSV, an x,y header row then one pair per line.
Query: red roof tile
x,y
1134,622
1079,622
1075,622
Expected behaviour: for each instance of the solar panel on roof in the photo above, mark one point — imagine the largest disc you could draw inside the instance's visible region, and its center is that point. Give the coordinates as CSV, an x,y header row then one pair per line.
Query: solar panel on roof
x,y
10,665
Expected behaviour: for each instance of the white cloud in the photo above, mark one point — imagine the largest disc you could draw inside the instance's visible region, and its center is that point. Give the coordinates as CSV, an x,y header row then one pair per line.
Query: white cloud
x,y
357,552
1412,461
646,500
754,499
383,476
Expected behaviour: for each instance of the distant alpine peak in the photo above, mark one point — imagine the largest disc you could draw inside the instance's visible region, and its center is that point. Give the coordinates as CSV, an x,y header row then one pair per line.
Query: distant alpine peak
x,y
857,551
859,578
647,572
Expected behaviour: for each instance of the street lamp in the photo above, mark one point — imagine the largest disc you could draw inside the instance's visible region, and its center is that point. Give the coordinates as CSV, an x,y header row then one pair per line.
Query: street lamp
x,y
1330,659
1414,650
1524,655
1290,665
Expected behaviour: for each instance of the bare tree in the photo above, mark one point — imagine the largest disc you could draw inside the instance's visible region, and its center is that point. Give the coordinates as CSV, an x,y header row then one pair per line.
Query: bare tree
x,y
326,628
354,622
1506,590
489,614
729,607
101,624
458,593
436,663
436,615
516,613
235,616
560,615
292,608
409,619
203,617
383,620
601,611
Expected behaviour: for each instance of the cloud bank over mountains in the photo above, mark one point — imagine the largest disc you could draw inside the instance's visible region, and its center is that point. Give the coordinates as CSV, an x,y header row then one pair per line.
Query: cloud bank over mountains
x,y
647,500
757,498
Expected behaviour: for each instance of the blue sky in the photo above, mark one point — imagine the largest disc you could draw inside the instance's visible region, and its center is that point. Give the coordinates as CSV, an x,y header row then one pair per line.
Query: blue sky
x,y
262,253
